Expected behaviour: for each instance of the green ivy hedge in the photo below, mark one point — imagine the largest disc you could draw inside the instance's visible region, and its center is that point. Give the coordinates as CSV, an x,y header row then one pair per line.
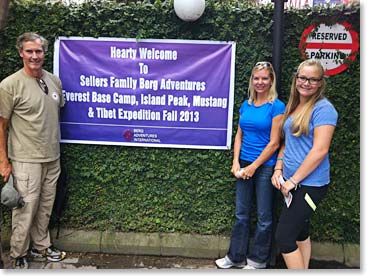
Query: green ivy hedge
x,y
183,190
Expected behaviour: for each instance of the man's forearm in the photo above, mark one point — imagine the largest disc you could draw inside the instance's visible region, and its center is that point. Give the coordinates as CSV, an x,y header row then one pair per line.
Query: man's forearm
x,y
5,167
3,136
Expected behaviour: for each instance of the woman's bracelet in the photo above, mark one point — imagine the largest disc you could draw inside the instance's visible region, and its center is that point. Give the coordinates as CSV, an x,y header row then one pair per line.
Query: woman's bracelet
x,y
280,158
293,182
278,169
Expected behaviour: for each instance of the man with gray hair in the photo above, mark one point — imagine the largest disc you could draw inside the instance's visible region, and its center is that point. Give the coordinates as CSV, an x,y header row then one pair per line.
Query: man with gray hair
x,y
30,102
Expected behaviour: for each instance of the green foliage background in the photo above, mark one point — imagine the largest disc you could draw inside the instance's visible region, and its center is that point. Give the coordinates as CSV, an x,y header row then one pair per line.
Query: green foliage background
x,y
183,190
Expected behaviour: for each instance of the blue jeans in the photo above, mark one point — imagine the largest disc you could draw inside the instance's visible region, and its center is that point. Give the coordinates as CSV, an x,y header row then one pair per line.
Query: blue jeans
x,y
258,255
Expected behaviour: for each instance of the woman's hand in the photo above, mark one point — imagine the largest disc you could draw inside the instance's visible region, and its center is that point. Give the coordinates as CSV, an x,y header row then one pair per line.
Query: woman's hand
x,y
275,179
235,168
246,173
286,187
249,171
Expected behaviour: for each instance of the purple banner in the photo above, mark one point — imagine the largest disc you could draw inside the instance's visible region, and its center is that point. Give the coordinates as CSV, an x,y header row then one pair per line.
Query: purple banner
x,y
159,93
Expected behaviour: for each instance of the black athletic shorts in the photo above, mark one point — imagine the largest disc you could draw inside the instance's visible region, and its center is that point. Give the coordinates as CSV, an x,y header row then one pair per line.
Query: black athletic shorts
x,y
294,221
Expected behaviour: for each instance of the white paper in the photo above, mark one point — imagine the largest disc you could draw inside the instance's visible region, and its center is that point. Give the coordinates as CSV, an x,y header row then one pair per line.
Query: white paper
x,y
239,173
287,199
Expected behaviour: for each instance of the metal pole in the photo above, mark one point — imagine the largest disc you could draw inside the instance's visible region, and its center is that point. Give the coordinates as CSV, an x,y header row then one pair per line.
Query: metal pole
x,y
277,64
278,41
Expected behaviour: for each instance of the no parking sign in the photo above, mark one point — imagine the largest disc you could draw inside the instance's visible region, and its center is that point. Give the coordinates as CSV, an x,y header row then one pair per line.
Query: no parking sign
x,y
336,46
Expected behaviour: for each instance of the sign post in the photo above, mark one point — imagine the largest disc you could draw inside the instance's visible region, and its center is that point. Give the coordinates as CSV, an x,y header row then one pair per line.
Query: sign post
x,y
278,41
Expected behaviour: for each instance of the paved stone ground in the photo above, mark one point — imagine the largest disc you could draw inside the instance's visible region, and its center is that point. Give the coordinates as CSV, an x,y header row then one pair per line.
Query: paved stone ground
x,y
115,261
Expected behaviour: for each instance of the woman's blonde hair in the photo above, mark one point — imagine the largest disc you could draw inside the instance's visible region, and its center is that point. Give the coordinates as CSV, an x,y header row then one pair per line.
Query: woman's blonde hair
x,y
301,121
273,95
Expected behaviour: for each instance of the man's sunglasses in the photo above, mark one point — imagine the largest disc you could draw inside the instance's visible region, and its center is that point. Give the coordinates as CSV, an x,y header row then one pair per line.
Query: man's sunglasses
x,y
43,85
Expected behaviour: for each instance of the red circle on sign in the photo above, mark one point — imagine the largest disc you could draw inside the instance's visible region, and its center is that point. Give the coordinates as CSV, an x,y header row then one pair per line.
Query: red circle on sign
x,y
353,47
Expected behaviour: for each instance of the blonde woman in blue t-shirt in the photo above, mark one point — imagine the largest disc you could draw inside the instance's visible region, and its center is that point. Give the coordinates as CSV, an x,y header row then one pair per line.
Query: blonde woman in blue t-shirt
x,y
303,161
255,151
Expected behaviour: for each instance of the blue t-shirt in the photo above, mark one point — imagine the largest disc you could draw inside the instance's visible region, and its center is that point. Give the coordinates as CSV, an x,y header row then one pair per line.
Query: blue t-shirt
x,y
256,122
297,148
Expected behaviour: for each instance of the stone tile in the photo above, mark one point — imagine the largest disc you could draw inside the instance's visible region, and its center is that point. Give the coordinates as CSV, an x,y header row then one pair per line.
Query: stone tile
x,y
77,240
189,245
223,245
352,255
327,252
131,243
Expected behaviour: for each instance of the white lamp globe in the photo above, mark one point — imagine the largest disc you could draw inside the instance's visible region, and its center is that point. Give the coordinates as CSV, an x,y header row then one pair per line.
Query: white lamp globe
x,y
189,10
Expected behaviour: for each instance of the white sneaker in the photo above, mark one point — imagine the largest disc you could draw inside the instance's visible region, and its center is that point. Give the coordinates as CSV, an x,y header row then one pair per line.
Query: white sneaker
x,y
51,253
227,263
249,267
